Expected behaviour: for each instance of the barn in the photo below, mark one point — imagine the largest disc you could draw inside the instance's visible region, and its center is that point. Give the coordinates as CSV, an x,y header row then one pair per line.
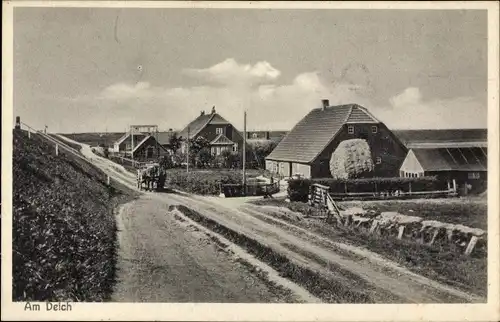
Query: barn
x,y
458,154
306,150
148,149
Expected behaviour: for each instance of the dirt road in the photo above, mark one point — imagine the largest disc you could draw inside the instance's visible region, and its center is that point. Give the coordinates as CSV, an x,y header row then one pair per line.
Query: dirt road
x,y
163,259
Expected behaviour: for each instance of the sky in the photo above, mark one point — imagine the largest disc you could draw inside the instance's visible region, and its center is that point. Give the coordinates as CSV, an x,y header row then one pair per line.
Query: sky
x,y
104,69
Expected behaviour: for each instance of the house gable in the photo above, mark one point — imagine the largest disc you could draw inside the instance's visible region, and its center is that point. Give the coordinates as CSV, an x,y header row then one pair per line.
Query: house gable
x,y
411,164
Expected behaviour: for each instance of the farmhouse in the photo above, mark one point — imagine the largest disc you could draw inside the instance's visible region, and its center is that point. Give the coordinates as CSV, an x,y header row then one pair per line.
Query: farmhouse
x,y
307,148
218,131
459,154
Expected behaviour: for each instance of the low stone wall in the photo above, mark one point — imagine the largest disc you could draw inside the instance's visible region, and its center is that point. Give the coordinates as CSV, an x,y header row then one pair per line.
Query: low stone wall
x,y
466,239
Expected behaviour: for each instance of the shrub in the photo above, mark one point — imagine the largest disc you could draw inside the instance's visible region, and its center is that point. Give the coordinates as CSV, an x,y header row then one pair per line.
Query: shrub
x,y
351,159
298,189
202,182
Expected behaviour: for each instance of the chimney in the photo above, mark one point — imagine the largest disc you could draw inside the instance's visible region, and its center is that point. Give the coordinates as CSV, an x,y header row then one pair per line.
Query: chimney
x,y
213,109
326,103
202,113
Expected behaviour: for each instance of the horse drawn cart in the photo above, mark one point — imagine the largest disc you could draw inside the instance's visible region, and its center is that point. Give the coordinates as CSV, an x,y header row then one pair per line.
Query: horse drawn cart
x,y
151,177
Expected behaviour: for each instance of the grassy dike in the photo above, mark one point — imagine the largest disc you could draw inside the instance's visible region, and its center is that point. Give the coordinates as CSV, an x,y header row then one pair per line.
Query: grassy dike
x,y
64,229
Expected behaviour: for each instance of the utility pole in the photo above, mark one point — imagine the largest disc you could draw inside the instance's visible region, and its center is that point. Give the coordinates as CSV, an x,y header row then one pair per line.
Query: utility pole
x,y
244,150
132,146
187,154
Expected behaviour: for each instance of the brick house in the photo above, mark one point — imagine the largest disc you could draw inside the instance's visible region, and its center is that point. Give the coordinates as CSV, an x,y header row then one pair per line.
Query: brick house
x,y
307,148
221,134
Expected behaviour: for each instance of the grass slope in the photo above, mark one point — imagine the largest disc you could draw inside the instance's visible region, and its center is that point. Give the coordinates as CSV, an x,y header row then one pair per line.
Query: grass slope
x,y
64,230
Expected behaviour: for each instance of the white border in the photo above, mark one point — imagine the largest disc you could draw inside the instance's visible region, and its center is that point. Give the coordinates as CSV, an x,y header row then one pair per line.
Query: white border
x,y
259,312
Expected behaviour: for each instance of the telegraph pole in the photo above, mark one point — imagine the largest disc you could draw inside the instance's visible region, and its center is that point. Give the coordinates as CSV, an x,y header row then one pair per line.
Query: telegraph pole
x,y
187,155
244,149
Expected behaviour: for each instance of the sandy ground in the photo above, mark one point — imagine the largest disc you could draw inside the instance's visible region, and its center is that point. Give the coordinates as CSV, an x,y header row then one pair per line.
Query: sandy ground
x,y
162,259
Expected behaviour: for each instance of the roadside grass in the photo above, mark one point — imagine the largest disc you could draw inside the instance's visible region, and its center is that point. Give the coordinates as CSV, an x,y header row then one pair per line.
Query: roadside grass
x,y
64,229
441,263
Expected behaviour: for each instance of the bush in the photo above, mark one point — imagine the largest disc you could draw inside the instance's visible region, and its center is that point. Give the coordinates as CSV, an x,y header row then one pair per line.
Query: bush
x,y
202,182
351,159
298,189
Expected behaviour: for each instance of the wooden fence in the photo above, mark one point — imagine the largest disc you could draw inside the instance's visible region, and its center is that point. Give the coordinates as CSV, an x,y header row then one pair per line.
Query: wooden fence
x,y
384,195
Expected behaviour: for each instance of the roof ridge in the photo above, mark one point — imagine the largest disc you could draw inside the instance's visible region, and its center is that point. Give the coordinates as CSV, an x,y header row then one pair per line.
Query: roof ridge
x,y
351,108
204,125
142,142
364,109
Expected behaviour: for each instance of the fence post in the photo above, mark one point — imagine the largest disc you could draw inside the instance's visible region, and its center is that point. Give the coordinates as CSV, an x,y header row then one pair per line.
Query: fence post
x,y
345,187
454,186
18,123
57,149
409,187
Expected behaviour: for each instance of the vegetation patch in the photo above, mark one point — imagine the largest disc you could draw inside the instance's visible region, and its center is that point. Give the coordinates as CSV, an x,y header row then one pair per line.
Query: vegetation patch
x,y
205,181
298,189
64,229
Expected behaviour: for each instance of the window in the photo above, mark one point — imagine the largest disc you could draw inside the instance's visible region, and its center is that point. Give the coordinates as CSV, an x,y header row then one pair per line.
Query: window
x,y
254,135
378,160
350,129
219,130
474,175
374,129
235,147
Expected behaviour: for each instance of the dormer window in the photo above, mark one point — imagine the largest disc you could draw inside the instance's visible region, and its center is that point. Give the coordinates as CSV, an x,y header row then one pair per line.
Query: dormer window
x,y
374,129
350,129
219,130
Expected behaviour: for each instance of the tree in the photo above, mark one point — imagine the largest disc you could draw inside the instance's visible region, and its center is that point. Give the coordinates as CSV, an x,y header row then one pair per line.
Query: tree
x,y
175,142
195,146
351,159
261,149
204,157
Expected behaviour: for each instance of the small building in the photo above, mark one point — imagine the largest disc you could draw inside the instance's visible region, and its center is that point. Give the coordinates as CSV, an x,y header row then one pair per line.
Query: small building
x,y
148,149
164,138
275,136
306,150
459,154
221,134
124,144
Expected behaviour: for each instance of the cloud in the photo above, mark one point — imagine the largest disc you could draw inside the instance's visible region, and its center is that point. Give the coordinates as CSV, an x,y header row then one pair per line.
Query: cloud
x,y
231,73
269,105
409,110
